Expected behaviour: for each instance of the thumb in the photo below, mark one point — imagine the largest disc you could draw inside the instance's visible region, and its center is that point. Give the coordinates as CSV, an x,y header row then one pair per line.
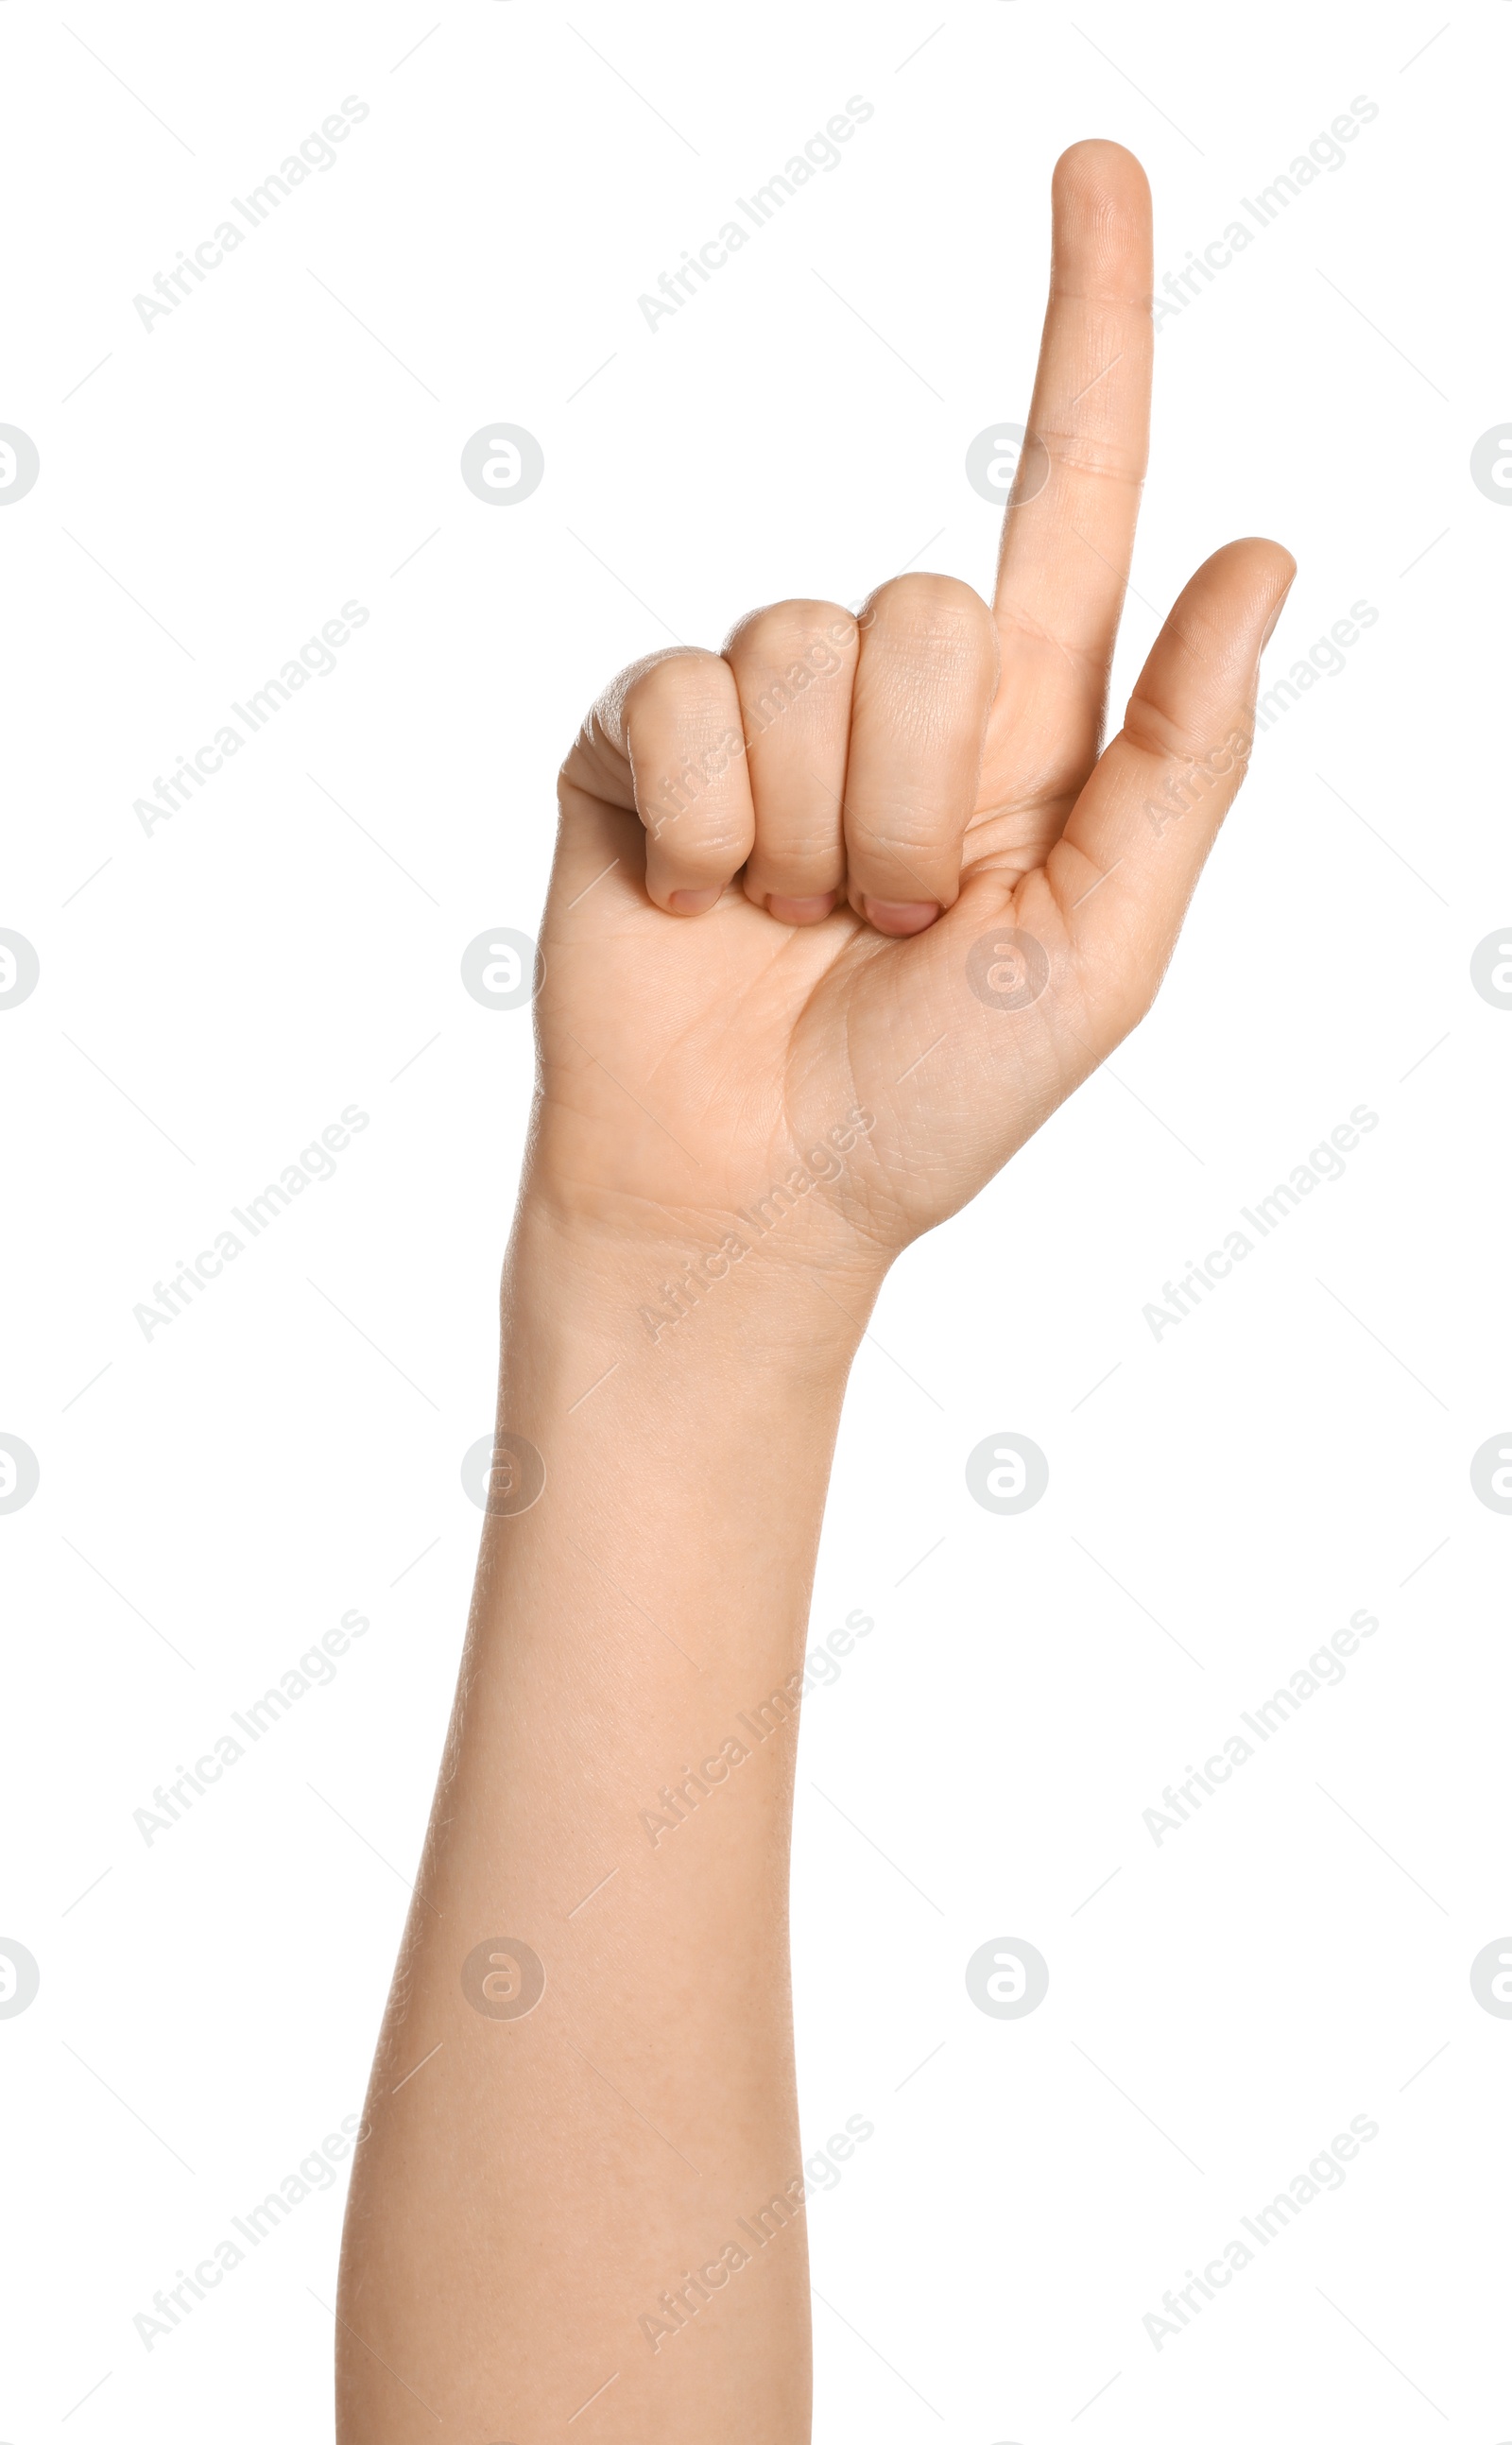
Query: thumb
x,y
1137,838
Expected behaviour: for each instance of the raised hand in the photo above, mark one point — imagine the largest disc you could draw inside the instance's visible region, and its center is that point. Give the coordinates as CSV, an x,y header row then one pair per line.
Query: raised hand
x,y
872,876
838,916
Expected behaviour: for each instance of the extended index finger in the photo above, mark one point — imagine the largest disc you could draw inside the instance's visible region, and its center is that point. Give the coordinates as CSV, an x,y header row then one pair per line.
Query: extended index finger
x,y
1069,534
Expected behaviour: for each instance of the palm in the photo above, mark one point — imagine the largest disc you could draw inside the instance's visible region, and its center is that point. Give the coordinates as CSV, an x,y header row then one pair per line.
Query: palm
x,y
690,1062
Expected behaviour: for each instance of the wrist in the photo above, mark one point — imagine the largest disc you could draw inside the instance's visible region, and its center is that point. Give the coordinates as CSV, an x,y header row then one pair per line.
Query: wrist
x,y
671,1298
721,1410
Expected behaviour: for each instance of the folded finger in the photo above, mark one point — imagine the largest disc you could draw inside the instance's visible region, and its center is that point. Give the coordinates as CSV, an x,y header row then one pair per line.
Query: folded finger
x,y
793,664
674,721
924,687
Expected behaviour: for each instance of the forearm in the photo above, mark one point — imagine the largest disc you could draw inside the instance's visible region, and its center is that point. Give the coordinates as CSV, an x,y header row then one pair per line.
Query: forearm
x,y
812,980
531,2210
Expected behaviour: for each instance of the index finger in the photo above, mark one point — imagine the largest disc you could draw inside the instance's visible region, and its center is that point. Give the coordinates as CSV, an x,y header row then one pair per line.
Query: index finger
x,y
1068,532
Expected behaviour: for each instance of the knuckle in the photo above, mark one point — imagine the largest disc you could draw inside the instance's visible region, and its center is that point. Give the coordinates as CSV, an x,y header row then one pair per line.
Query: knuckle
x,y
892,836
686,686
698,788
779,653
937,621
707,849
1148,726
1101,458
780,633
1174,731
925,604
797,865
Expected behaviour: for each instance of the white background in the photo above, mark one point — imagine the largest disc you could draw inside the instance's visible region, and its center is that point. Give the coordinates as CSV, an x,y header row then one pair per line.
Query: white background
x,y
213,994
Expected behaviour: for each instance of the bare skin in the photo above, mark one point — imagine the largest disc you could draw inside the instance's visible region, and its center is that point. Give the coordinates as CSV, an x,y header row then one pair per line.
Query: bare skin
x,y
837,918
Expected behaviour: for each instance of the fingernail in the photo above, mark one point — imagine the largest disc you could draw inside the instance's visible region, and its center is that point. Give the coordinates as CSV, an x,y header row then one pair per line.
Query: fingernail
x,y
806,911
691,903
1280,605
901,916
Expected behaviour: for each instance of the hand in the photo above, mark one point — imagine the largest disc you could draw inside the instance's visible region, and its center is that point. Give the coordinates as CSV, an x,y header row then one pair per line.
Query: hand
x,y
848,911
